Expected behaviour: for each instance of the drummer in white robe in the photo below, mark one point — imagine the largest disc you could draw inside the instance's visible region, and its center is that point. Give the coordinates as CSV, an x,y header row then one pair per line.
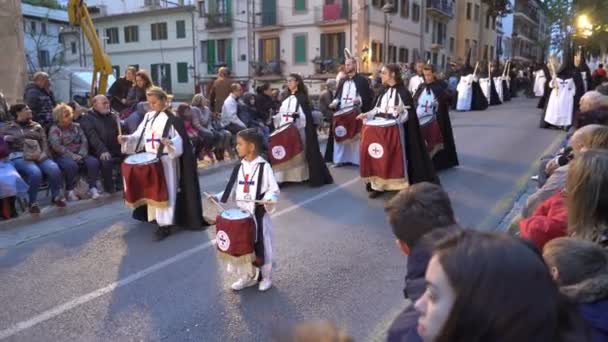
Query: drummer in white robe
x,y
152,128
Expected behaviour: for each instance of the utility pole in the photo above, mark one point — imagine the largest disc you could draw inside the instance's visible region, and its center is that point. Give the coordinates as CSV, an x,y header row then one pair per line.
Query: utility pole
x,y
387,8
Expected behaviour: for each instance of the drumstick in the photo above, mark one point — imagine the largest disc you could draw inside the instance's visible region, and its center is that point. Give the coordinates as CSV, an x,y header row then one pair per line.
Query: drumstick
x,y
214,201
255,201
118,124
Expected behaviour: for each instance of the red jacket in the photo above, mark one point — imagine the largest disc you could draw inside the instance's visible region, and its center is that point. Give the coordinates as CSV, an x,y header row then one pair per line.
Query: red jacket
x,y
549,221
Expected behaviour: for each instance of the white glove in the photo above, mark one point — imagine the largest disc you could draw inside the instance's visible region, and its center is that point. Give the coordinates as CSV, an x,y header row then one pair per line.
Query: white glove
x,y
334,104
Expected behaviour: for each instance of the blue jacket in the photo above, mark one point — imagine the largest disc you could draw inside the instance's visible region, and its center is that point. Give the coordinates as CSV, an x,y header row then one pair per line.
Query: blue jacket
x,y
592,298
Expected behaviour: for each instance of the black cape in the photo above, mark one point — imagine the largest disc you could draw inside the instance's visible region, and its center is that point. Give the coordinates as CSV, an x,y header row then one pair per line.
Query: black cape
x,y
506,92
318,172
367,104
419,165
188,207
446,157
479,100
494,98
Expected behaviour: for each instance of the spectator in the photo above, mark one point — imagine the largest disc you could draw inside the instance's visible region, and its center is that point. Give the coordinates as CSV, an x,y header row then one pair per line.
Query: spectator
x,y
202,140
230,119
29,154
490,287
137,93
77,111
119,90
220,90
248,113
549,221
593,109
587,200
264,103
70,148
580,269
419,216
132,122
11,184
39,98
326,97
101,130
205,120
276,102
4,112
599,76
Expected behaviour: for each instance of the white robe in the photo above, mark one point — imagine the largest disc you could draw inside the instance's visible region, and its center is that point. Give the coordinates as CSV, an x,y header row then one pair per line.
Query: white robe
x,y
151,141
486,87
561,103
499,90
415,82
288,106
426,106
465,93
270,189
347,152
539,83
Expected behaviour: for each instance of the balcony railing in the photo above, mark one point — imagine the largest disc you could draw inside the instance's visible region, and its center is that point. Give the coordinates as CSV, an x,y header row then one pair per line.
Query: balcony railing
x,y
327,65
530,13
268,68
218,20
331,14
441,7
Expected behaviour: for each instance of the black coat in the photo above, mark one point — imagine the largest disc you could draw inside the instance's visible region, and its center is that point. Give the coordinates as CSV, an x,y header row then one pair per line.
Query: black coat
x,y
479,101
367,103
101,131
419,165
318,172
446,157
188,207
264,105
118,91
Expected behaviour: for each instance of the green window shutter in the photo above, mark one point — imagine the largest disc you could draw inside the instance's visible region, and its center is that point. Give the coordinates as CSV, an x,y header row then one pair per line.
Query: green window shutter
x,y
182,72
229,53
299,43
228,9
300,5
116,71
211,56
154,68
180,27
345,10
269,12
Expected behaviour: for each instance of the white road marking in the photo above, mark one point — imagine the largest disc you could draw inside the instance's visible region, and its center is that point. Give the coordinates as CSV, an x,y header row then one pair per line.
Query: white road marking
x,y
60,309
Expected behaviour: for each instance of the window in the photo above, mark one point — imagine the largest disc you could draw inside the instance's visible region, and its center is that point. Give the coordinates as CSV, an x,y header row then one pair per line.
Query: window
x,y
403,55
405,8
452,42
32,26
43,28
332,45
221,51
467,46
182,72
159,31
488,21
377,52
44,58
204,51
476,12
242,48
416,13
180,27
377,3
300,5
469,9
201,9
474,49
73,47
269,50
299,46
392,54
112,35
131,34
116,71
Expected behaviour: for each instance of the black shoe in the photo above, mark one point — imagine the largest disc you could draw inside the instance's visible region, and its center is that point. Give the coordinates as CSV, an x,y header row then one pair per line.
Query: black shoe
x,y
162,233
374,194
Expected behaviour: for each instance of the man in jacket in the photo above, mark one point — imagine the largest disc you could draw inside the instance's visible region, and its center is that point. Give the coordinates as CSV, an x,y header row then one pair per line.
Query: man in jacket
x,y
230,119
39,97
220,90
101,129
419,215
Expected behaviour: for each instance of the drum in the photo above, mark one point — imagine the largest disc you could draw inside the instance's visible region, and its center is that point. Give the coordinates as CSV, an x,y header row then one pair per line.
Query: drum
x,y
345,124
144,181
382,155
285,147
235,235
431,133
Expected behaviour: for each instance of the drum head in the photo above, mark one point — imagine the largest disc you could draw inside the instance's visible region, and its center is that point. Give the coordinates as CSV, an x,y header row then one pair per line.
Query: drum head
x,y
346,110
141,158
235,214
281,129
381,122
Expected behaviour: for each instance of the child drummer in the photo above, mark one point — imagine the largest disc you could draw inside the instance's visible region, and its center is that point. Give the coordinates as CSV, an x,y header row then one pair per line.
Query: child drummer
x,y
253,186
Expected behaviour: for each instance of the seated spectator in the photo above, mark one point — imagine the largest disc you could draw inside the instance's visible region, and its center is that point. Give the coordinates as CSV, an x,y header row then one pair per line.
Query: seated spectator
x,y
580,269
202,140
593,109
132,122
598,76
587,200
39,98
29,154
11,184
549,221
230,120
248,113
77,111
101,130
205,120
119,90
137,93
419,216
70,150
264,103
491,287
4,112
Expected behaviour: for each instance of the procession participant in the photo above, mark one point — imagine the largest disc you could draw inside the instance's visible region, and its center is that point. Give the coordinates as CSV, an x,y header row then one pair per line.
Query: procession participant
x,y
432,101
497,80
163,134
392,159
540,78
353,92
478,99
253,180
417,79
296,109
542,101
506,82
489,88
583,69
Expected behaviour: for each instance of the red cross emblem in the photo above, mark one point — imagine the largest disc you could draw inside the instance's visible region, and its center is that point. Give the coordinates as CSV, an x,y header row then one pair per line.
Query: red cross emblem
x,y
152,140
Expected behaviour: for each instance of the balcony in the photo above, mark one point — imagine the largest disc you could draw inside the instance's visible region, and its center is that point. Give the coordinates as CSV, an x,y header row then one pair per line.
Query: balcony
x,y
442,9
268,70
333,14
527,13
219,21
268,17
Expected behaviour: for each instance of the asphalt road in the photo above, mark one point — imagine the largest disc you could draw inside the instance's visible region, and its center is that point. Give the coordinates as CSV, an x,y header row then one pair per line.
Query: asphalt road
x,y
99,276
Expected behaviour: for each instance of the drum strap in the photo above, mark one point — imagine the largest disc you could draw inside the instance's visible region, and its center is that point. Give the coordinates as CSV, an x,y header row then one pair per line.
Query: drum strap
x,y
164,135
231,182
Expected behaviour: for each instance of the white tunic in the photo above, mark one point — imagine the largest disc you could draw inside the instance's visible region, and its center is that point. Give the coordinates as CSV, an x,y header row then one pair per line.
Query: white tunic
x,y
347,152
584,77
498,85
486,87
465,93
299,173
154,125
426,106
415,82
561,103
539,82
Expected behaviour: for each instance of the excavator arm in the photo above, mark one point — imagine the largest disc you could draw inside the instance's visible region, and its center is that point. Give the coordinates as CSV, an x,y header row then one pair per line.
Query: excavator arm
x,y
102,67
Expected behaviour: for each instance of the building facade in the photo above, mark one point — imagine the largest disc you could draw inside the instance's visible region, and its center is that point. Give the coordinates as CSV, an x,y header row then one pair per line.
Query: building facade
x,y
526,37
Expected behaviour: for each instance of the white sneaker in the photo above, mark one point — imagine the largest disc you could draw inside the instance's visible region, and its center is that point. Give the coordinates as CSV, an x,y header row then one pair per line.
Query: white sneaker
x,y
94,193
265,285
72,196
246,282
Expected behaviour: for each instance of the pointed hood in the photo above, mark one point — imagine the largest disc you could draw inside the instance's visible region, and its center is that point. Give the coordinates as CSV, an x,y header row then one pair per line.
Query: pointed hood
x,y
467,68
568,61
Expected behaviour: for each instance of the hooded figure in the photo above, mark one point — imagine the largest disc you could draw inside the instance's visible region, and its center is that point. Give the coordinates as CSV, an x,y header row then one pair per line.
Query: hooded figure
x,y
489,88
506,82
478,99
583,69
546,89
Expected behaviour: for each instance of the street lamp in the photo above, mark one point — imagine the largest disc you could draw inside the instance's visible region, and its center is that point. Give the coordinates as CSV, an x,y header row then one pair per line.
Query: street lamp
x,y
584,25
387,8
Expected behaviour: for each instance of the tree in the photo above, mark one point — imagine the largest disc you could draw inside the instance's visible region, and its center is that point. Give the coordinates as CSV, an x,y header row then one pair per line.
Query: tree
x,y
44,51
559,14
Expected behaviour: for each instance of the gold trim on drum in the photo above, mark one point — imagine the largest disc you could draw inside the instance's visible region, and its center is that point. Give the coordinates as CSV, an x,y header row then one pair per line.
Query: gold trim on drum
x,y
241,260
149,202
395,184
298,160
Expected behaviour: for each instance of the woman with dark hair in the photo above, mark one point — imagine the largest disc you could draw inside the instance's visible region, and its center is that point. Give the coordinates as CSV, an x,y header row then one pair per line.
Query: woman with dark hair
x,y
394,107
137,93
119,90
296,109
490,287
264,103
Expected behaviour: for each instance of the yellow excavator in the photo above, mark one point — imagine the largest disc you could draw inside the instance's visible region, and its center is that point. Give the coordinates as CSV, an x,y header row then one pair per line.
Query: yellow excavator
x,y
102,66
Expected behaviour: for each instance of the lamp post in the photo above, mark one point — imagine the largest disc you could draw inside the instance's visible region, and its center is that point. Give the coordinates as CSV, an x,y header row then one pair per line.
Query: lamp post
x,y
387,8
